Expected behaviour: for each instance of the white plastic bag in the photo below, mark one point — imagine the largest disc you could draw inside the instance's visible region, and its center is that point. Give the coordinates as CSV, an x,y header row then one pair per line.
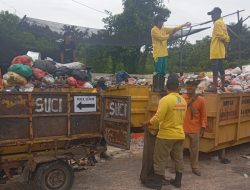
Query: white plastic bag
x,y
235,88
48,79
236,71
246,68
73,65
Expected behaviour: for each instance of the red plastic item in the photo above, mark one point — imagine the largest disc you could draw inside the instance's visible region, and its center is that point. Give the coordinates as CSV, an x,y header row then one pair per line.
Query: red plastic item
x,y
80,84
75,83
23,59
72,81
38,73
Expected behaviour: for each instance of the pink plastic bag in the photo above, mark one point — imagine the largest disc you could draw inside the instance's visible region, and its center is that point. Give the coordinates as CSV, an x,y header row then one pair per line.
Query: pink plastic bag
x,y
38,73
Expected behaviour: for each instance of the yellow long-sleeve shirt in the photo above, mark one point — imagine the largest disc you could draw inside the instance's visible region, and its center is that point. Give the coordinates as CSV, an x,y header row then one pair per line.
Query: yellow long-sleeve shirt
x,y
219,38
160,38
169,117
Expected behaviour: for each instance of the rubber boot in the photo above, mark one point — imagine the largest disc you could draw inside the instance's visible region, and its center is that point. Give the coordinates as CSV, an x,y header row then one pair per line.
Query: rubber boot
x,y
177,181
222,83
213,88
215,83
158,83
154,183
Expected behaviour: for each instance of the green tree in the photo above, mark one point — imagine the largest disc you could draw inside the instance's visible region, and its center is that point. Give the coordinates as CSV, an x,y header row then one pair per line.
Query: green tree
x,y
239,53
134,24
16,39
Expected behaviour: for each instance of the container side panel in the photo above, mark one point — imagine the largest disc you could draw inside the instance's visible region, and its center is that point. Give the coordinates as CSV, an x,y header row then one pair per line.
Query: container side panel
x,y
85,124
116,120
227,133
229,109
244,131
245,108
14,129
13,104
210,125
49,126
116,133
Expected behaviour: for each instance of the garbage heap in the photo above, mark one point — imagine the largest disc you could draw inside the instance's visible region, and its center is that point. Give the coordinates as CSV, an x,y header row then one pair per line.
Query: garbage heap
x,y
122,78
237,80
25,75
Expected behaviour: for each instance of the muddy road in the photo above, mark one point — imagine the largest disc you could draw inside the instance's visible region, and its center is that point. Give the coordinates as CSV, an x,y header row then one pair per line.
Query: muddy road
x,y
122,172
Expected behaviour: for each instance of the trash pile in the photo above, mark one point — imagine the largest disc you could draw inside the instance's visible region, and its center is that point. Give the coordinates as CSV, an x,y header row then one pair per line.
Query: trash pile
x,y
237,80
25,75
121,78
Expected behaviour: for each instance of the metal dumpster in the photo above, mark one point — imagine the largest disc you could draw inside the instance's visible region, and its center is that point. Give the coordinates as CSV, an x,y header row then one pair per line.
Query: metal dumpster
x,y
139,101
40,132
228,119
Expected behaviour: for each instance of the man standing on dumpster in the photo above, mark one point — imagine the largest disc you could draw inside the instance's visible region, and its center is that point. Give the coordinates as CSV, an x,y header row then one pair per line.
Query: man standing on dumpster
x,y
218,48
195,122
168,120
160,36
67,49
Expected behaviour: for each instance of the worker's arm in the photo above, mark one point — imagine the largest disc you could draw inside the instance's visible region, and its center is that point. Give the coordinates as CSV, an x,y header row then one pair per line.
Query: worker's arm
x,y
160,114
156,34
203,118
175,29
220,32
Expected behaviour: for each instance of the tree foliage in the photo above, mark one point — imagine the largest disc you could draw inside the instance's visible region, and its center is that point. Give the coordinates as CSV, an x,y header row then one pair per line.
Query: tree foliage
x,y
133,23
16,40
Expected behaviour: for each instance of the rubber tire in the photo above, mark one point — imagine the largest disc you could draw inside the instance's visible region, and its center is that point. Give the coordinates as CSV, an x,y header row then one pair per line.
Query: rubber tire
x,y
42,171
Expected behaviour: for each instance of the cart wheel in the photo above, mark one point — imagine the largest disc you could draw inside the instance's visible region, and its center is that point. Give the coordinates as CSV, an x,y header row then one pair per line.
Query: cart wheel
x,y
57,175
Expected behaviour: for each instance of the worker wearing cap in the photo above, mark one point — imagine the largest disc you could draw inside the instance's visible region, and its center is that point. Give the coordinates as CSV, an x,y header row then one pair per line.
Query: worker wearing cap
x,y
195,122
168,120
160,36
218,47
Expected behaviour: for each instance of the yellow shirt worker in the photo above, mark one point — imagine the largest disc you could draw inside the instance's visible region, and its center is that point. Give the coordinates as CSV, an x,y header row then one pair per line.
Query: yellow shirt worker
x,y
169,120
218,47
160,36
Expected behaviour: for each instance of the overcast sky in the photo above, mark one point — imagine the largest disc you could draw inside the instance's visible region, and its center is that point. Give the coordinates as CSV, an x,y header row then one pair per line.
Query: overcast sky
x,y
70,12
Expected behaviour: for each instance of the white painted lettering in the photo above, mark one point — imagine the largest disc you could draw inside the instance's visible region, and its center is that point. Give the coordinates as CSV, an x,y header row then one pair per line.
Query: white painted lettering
x,y
118,109
52,105
60,105
39,105
49,105
112,108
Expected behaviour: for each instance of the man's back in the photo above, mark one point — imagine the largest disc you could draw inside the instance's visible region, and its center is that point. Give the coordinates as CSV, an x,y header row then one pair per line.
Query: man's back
x,y
68,51
170,116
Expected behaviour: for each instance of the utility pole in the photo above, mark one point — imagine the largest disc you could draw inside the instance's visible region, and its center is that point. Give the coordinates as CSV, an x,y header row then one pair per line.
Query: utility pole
x,y
239,33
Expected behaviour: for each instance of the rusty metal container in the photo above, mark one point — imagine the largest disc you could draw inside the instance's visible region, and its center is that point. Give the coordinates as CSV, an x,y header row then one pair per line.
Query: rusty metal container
x,y
139,101
59,124
228,120
39,121
32,122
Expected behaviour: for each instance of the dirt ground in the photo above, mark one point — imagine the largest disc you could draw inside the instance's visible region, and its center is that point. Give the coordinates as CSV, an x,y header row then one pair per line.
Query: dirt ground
x,y
122,172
